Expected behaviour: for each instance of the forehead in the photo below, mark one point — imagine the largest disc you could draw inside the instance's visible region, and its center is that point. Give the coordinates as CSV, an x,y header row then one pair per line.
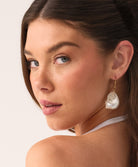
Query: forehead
x,y
44,33
47,30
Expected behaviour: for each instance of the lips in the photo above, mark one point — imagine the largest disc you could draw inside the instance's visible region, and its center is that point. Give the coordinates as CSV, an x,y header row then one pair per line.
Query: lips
x,y
48,107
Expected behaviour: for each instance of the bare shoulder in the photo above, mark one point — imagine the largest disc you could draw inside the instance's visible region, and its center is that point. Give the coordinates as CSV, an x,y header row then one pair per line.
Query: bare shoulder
x,y
63,151
50,152
102,149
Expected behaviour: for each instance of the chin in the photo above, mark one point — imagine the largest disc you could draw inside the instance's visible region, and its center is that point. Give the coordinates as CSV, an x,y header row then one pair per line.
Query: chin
x,y
59,125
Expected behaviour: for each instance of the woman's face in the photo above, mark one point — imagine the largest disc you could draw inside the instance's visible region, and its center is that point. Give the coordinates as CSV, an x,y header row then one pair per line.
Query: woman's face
x,y
68,74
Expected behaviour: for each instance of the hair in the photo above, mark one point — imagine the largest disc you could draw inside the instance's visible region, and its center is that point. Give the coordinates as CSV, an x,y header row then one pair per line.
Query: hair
x,y
107,21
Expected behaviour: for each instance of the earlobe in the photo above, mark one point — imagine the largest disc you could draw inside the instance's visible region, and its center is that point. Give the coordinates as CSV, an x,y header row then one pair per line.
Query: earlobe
x,y
122,57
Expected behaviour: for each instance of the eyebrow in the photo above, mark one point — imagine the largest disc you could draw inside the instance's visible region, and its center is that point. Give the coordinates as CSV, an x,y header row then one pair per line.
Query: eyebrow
x,y
55,47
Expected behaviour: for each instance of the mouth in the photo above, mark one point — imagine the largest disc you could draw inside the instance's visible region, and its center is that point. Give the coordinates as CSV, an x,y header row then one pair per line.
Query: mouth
x,y
46,103
48,107
51,105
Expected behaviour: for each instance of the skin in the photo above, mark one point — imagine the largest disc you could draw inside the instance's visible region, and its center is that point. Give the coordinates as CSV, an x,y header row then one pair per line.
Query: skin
x,y
80,82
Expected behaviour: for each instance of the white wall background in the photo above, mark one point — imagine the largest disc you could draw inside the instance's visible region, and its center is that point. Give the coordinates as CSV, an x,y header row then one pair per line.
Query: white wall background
x,y
21,121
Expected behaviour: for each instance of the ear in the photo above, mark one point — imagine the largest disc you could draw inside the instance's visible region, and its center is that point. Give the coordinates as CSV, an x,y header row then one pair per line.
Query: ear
x,y
121,59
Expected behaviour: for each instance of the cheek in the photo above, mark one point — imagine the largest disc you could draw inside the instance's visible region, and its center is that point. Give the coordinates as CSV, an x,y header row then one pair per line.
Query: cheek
x,y
82,89
87,75
83,81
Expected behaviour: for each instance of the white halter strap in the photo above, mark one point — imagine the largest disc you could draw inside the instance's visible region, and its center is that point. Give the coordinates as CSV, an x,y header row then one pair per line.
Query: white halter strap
x,y
108,122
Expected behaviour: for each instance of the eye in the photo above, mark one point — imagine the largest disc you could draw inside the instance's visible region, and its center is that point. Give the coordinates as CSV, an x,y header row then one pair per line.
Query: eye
x,y
62,60
32,63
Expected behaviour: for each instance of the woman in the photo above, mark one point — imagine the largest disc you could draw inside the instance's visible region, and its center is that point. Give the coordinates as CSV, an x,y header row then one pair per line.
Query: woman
x,y
80,65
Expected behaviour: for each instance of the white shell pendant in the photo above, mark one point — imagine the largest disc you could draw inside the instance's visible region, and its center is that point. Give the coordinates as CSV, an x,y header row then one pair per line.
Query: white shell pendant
x,y
112,101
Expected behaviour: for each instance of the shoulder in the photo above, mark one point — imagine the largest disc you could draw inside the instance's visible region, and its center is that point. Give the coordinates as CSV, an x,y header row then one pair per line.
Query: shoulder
x,y
49,152
90,150
61,151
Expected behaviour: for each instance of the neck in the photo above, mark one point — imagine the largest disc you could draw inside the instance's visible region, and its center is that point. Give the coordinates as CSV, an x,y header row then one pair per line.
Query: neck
x,y
98,117
103,114
108,122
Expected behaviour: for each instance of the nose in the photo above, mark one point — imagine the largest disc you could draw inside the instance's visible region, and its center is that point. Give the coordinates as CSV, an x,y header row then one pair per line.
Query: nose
x,y
41,81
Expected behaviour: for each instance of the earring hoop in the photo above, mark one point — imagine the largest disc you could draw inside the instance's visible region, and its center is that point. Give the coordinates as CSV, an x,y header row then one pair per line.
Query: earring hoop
x,y
112,101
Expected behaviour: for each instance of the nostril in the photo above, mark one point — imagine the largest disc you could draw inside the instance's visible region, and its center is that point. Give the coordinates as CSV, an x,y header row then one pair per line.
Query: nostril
x,y
44,89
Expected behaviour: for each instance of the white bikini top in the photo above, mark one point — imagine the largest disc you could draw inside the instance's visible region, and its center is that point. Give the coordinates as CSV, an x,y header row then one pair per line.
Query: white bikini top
x,y
108,122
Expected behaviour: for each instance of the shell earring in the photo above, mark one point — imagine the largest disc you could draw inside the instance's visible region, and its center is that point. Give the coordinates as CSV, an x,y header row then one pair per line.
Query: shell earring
x,y
112,101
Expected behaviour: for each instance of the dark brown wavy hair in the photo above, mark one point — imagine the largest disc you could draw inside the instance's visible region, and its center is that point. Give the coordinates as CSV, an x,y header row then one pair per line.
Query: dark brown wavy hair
x,y
107,21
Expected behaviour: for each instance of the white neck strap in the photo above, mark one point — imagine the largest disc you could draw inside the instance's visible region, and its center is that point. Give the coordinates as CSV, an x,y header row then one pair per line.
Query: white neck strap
x,y
108,122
